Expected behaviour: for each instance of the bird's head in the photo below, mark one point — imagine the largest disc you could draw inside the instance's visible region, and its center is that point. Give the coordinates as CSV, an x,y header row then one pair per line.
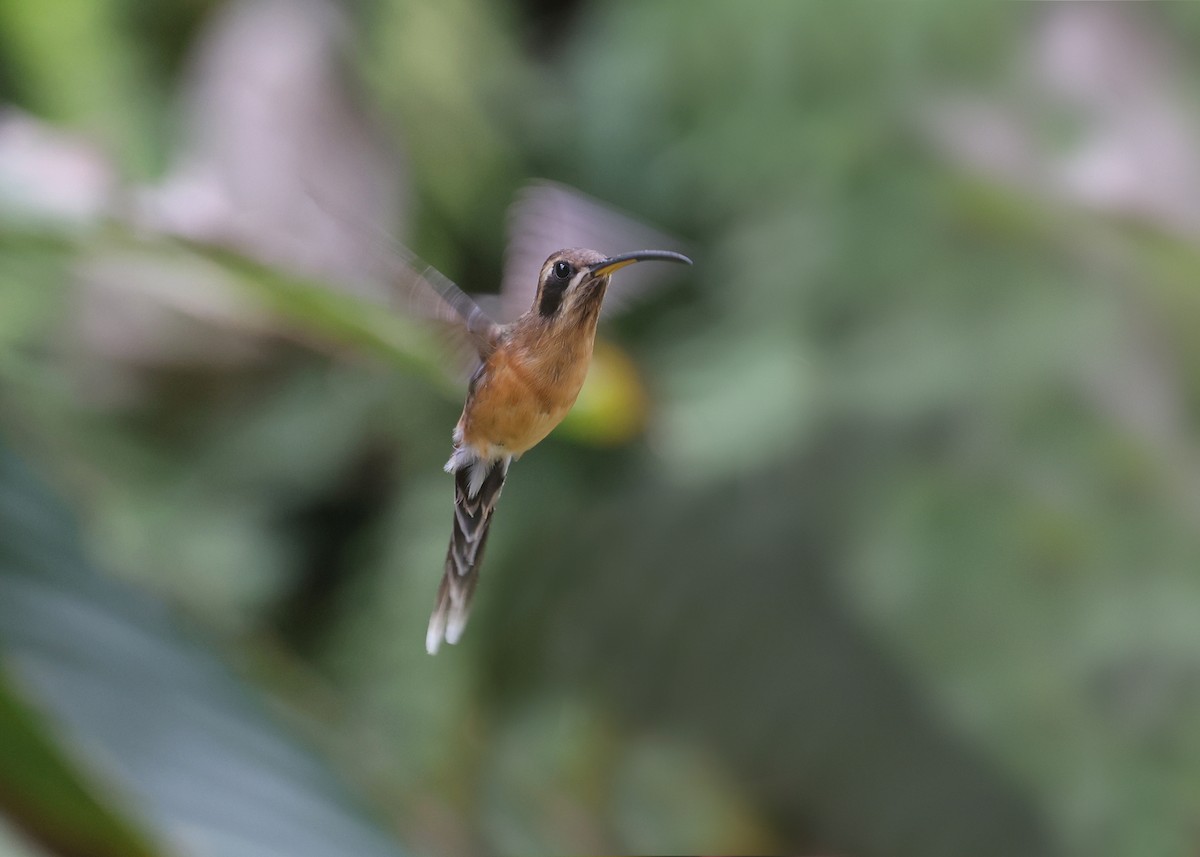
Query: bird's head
x,y
571,283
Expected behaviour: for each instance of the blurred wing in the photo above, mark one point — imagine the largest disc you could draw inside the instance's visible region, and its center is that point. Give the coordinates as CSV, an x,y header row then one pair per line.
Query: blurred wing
x,y
418,290
424,292
547,217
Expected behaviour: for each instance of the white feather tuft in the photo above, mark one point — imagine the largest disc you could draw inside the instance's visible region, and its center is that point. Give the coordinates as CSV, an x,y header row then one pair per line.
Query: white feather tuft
x,y
463,456
479,471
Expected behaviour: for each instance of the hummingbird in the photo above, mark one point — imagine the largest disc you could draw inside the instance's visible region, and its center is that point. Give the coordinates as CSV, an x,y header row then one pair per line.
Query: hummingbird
x,y
529,374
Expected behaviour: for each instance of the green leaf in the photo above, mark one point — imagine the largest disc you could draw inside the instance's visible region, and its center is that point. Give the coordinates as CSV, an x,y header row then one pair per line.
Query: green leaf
x,y
158,718
44,793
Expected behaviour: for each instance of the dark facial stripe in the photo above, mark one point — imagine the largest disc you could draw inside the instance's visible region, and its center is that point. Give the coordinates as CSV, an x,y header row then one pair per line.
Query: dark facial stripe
x,y
551,297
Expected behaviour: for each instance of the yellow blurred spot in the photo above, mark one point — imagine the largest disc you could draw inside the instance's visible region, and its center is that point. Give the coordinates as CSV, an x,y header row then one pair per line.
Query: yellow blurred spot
x,y
612,407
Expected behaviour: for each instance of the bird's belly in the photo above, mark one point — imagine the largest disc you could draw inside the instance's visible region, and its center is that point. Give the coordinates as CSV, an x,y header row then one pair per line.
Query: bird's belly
x,y
508,414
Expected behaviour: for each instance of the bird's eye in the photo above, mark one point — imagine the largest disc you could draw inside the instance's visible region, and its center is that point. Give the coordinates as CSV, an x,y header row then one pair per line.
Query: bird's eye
x,y
562,270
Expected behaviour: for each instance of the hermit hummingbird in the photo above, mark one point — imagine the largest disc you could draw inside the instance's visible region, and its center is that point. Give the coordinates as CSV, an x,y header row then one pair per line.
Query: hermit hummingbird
x,y
529,375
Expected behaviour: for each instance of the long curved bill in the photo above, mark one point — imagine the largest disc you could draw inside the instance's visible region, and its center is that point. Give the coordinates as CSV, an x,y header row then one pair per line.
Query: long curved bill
x,y
615,263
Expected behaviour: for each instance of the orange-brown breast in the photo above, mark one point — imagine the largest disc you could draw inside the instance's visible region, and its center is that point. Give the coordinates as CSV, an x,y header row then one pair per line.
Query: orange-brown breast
x,y
522,395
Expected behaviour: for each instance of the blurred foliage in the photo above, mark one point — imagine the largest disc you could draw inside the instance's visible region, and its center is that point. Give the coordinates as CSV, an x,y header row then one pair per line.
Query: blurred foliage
x,y
904,563
85,66
40,789
151,714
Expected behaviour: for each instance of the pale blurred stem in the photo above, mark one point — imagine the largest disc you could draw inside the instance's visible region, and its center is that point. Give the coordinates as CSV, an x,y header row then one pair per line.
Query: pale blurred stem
x,y
323,315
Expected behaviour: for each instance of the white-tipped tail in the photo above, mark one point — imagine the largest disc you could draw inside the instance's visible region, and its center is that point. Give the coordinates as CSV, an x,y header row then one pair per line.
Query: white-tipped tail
x,y
437,630
477,486
449,619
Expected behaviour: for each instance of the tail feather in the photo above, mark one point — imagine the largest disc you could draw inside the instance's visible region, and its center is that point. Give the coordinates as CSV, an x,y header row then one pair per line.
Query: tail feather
x,y
477,486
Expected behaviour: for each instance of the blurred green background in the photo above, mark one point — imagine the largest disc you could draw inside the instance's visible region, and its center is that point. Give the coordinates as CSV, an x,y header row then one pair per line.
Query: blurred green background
x,y
877,534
